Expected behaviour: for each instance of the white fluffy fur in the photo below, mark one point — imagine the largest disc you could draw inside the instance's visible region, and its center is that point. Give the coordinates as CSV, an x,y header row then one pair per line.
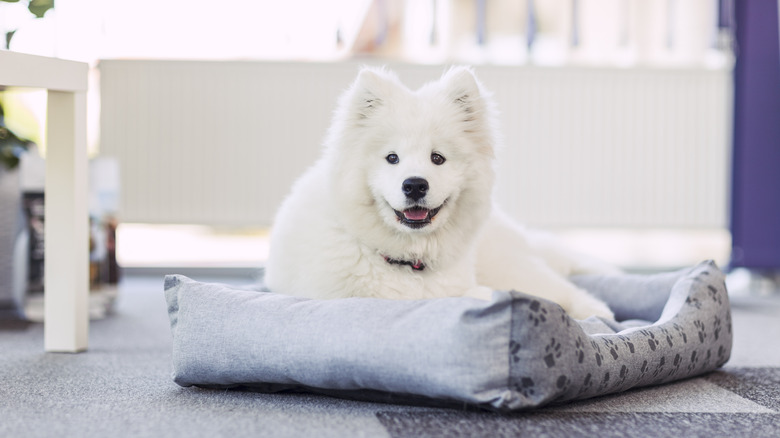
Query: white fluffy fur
x,y
333,233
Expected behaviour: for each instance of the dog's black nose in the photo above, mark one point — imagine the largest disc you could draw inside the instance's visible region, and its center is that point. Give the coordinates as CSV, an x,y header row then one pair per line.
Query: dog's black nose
x,y
415,188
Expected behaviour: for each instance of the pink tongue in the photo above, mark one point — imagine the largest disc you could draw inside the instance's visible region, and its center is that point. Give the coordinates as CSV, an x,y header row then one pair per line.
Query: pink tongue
x,y
416,214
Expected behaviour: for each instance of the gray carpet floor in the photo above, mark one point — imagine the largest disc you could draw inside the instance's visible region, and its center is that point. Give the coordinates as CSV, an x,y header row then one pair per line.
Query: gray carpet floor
x,y
122,387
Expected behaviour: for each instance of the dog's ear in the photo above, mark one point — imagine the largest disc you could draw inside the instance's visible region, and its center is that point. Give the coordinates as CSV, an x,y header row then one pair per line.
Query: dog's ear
x,y
474,105
463,90
370,91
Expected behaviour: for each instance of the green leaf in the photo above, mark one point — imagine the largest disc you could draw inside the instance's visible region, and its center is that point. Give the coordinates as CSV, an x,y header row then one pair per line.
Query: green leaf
x,y
8,36
40,7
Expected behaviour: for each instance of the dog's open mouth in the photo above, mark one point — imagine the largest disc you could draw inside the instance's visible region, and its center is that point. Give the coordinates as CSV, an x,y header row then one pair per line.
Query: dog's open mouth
x,y
416,217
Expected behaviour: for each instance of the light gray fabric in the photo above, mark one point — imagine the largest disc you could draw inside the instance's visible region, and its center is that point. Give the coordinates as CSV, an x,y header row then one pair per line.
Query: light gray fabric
x,y
514,352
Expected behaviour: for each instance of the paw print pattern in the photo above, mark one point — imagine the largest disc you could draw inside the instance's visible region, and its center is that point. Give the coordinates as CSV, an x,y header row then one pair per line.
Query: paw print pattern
x,y
612,347
526,386
579,351
623,375
613,351
717,328
598,356
587,384
649,355
728,323
713,293
627,343
694,302
707,359
680,332
722,357
694,361
604,382
563,383
700,330
660,367
643,369
668,336
651,340
538,313
676,364
599,359
553,350
514,351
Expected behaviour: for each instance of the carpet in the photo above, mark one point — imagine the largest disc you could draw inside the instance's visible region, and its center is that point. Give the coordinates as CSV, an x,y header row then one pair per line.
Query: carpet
x,y
122,387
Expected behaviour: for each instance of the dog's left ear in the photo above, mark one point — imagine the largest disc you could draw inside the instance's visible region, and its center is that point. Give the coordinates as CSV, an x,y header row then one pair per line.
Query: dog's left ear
x,y
463,89
474,105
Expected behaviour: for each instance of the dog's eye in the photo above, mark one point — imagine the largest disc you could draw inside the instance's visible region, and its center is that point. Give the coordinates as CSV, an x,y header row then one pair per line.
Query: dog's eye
x,y
437,159
392,159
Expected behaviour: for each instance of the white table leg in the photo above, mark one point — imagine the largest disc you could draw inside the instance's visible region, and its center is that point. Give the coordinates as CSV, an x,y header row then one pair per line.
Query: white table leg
x,y
66,275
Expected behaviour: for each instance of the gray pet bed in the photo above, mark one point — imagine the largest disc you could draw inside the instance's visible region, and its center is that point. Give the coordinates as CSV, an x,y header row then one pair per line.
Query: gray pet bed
x,y
514,352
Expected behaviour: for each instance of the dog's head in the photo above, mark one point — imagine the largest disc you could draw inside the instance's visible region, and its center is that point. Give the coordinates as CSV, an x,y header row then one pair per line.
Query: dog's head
x,y
420,159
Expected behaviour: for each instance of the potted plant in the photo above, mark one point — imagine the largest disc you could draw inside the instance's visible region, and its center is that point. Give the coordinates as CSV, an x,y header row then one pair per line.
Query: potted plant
x,y
37,7
13,231
14,237
11,145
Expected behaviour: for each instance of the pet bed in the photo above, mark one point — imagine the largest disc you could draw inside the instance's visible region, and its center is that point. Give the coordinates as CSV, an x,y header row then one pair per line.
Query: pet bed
x,y
513,352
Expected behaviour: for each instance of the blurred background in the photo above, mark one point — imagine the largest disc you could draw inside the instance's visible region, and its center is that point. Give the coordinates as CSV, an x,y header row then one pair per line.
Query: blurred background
x,y
644,132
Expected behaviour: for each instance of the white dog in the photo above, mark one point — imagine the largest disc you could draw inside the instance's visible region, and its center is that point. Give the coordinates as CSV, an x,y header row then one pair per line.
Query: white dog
x,y
400,206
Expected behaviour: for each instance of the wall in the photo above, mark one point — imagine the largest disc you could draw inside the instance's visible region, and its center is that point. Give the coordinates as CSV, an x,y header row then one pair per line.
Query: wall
x,y
220,143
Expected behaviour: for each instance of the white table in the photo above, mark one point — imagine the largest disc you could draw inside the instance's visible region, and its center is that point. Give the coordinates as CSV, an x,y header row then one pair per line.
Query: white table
x,y
66,287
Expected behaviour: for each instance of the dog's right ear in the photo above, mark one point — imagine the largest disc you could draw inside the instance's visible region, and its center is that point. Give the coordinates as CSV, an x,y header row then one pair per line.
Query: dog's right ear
x,y
370,91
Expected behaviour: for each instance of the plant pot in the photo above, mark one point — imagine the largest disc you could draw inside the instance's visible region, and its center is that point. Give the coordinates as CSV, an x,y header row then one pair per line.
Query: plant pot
x,y
13,245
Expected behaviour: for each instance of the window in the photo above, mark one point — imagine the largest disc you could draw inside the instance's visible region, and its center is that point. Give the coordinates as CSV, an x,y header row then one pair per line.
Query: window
x,y
549,32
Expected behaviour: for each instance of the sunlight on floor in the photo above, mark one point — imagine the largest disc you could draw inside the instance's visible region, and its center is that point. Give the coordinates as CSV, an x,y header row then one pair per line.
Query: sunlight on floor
x,y
651,249
142,245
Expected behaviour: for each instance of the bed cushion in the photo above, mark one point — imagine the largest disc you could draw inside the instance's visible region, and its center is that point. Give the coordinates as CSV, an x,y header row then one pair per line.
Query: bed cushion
x,y
513,352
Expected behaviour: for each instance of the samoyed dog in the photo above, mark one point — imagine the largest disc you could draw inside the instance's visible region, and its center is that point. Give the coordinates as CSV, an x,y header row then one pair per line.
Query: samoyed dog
x,y
400,206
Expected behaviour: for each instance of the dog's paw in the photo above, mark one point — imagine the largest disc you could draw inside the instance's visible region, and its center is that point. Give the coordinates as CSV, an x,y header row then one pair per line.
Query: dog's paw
x,y
587,306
